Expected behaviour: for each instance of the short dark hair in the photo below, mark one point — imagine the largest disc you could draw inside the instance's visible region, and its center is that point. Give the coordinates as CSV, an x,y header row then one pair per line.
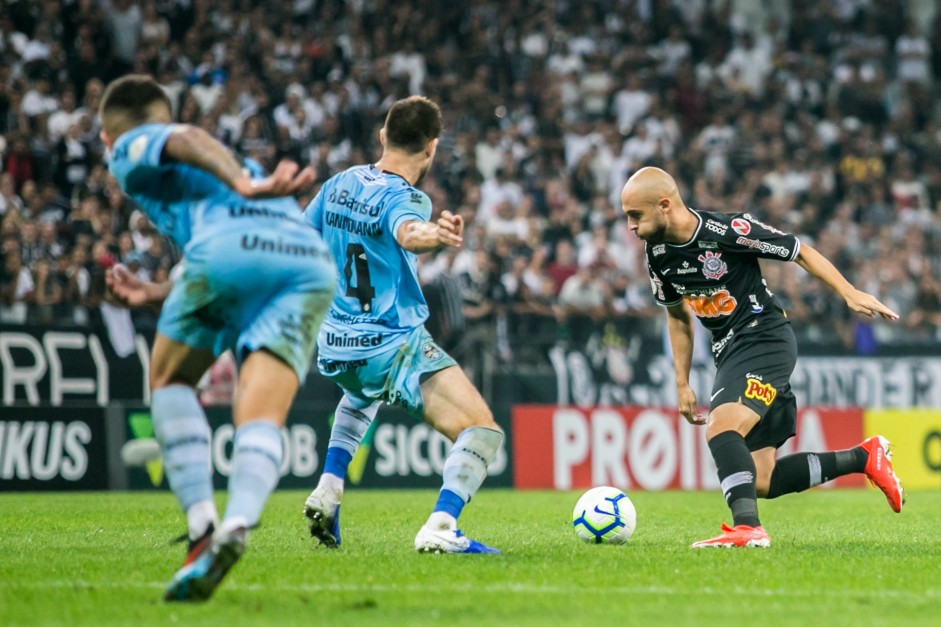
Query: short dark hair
x,y
413,122
132,95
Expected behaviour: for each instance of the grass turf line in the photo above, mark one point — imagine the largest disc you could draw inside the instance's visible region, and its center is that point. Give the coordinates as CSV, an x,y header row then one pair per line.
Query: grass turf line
x,y
837,558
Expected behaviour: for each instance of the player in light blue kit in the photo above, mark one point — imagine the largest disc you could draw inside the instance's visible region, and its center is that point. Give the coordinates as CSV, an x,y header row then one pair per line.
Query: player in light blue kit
x,y
373,342
256,279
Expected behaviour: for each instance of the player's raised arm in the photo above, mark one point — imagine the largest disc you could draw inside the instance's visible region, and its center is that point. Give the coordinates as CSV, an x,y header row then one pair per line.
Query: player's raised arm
x,y
860,302
194,146
422,237
680,328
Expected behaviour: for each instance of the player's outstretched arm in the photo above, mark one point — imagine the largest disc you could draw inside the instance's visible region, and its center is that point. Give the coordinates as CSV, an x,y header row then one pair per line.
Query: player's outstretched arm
x,y
860,302
422,237
680,328
128,290
194,146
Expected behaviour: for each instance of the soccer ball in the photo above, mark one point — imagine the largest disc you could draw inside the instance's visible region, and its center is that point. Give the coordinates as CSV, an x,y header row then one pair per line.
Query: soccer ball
x,y
604,515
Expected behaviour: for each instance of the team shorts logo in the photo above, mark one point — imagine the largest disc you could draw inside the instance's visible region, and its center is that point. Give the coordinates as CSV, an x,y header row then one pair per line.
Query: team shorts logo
x,y
712,265
756,390
712,305
740,226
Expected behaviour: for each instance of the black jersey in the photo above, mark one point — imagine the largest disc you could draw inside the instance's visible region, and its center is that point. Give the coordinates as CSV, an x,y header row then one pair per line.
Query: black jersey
x,y
717,273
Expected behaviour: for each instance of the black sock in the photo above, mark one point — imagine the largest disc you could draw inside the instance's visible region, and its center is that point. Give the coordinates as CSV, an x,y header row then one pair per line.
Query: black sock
x,y
736,476
797,472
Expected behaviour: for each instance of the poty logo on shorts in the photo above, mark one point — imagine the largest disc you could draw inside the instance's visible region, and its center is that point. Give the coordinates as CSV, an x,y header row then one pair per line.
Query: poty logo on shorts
x,y
740,226
712,265
756,390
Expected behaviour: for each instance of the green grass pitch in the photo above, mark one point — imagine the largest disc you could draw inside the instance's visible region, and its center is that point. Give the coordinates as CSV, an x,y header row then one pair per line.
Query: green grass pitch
x,y
837,558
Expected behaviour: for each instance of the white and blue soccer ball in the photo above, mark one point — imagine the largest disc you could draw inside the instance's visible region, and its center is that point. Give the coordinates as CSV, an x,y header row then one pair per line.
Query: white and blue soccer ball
x,y
604,515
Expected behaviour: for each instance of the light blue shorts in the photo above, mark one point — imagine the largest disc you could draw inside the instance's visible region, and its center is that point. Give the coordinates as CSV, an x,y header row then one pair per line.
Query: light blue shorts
x,y
394,377
246,291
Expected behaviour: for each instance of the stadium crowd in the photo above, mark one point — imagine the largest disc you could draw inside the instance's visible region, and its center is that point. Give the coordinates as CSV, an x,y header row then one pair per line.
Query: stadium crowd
x,y
817,116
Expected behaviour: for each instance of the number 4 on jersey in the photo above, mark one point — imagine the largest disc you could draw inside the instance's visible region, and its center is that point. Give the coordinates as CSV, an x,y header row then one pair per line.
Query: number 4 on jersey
x,y
364,291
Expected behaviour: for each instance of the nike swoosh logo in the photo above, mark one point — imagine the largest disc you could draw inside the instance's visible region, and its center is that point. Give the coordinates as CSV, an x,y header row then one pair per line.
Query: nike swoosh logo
x,y
713,397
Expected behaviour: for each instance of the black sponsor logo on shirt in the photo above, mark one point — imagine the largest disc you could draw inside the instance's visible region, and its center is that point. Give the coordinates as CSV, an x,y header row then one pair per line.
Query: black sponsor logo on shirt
x,y
279,246
346,223
343,198
259,212
330,366
354,341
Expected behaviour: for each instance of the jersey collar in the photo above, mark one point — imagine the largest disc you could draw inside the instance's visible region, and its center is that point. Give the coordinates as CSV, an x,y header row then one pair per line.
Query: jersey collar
x,y
695,233
390,172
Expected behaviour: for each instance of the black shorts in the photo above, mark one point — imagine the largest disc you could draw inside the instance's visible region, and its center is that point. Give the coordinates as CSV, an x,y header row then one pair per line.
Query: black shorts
x,y
756,371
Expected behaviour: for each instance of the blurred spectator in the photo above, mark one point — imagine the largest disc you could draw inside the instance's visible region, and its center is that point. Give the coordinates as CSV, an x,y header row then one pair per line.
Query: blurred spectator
x,y
48,292
16,288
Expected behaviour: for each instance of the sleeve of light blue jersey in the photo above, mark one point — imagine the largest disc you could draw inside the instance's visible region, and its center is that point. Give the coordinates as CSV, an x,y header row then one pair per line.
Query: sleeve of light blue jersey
x,y
313,214
136,157
410,205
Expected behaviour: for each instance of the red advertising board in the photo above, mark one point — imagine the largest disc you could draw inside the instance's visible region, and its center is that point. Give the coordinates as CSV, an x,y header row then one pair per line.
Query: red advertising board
x,y
643,448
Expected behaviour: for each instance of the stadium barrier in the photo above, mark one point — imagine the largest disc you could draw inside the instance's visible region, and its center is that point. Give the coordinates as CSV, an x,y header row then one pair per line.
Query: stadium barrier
x,y
547,447
78,447
70,403
644,448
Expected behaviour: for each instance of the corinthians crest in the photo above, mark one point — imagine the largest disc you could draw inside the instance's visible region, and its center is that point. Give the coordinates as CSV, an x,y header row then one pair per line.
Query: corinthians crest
x,y
712,265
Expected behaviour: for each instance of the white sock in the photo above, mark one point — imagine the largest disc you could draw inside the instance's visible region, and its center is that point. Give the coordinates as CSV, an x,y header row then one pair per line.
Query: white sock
x,y
181,429
350,425
256,468
465,467
199,516
441,521
331,485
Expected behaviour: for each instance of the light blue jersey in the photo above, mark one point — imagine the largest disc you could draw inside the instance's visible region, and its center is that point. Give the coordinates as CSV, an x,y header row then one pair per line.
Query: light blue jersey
x,y
255,275
182,201
378,301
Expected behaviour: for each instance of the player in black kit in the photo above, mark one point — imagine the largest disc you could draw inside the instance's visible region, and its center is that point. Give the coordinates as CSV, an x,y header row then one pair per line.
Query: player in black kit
x,y
706,264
